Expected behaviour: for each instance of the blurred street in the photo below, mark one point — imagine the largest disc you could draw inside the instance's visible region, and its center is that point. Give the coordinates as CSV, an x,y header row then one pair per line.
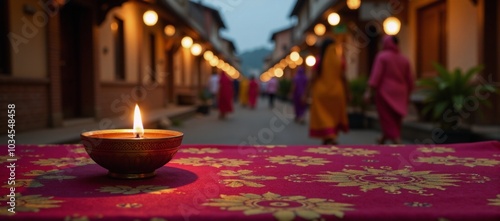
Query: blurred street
x,y
261,126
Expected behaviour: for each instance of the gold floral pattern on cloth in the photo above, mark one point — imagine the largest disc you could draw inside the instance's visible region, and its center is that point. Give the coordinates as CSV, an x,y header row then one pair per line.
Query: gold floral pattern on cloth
x,y
459,161
30,203
129,205
417,204
78,217
282,207
5,158
301,178
54,174
495,202
392,181
64,161
127,190
78,150
25,183
199,150
436,150
302,161
210,161
472,178
345,151
241,178
270,146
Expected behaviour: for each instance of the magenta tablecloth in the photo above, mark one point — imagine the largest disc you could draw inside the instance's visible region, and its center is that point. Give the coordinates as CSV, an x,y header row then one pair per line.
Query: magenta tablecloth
x,y
213,182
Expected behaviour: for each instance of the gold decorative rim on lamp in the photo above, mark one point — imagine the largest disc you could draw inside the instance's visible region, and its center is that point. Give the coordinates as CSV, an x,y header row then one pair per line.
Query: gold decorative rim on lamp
x,y
128,157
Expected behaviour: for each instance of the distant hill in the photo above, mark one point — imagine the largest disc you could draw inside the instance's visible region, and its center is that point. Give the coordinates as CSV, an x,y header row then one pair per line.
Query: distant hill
x,y
253,60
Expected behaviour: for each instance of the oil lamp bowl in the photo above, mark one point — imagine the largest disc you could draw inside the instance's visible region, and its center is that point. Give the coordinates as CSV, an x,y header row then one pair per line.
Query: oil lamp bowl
x,y
127,157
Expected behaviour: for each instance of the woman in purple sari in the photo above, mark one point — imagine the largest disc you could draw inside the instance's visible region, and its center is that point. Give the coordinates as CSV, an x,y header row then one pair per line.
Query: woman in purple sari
x,y
299,87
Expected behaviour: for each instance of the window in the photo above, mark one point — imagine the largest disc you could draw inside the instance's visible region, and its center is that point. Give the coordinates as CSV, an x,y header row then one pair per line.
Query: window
x,y
4,39
152,43
119,38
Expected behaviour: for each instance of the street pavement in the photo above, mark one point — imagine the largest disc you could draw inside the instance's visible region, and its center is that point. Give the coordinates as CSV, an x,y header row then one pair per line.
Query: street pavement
x,y
261,126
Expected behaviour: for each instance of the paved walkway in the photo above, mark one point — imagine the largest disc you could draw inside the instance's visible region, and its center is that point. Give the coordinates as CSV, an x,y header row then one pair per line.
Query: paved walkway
x,y
262,126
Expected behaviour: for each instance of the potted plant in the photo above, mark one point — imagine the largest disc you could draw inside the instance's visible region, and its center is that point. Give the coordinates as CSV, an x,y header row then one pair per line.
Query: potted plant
x,y
450,97
285,85
357,105
204,105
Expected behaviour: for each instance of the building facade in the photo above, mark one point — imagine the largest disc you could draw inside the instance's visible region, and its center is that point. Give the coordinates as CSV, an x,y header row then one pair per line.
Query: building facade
x,y
458,34
67,61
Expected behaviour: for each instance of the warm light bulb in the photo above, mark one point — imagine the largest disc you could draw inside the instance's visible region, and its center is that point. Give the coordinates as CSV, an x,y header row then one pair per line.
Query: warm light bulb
x,y
214,61
310,60
196,49
236,75
353,4
392,25
138,128
220,64
333,19
311,39
169,30
294,56
300,61
150,17
187,42
114,26
278,72
319,29
208,55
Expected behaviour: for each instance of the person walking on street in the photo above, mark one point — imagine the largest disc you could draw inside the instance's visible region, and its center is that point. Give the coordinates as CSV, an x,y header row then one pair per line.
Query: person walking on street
x,y
243,92
225,95
299,86
272,89
213,87
391,82
253,92
329,96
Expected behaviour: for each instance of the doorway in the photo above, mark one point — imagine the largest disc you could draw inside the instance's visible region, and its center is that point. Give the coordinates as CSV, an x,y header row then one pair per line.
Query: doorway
x,y
431,38
76,63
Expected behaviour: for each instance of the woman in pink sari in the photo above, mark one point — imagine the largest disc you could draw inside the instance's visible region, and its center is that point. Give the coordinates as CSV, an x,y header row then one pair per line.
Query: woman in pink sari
x,y
253,92
391,81
225,95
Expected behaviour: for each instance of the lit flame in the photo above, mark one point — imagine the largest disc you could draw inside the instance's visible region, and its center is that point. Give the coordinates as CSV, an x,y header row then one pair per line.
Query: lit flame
x,y
138,128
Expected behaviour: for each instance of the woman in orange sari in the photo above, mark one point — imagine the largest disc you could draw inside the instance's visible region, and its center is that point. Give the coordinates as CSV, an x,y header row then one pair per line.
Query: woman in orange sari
x,y
329,95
